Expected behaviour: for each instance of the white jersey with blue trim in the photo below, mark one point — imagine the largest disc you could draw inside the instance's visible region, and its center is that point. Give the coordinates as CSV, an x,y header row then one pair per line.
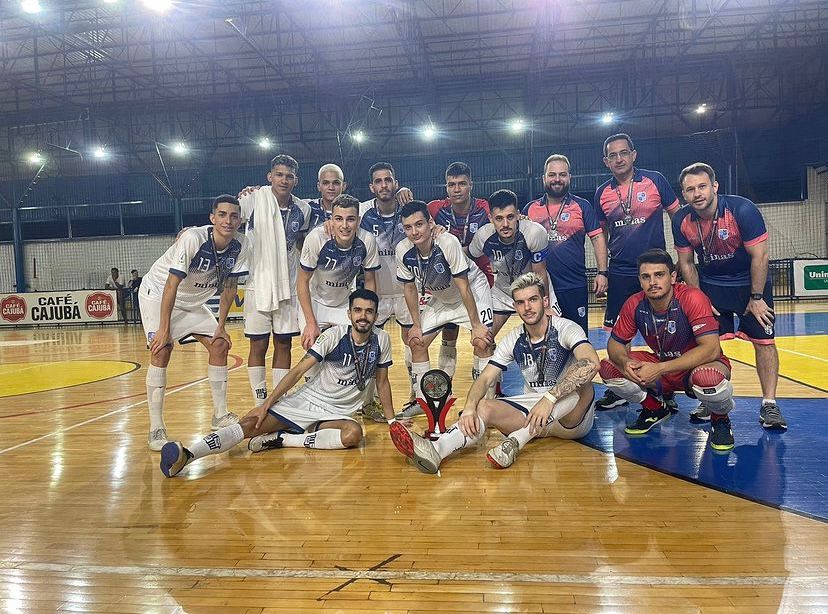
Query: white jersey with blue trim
x,y
553,353
445,262
334,268
335,383
295,219
193,258
388,232
510,260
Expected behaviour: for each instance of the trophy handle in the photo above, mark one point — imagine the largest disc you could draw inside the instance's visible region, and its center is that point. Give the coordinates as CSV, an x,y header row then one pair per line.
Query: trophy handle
x,y
436,421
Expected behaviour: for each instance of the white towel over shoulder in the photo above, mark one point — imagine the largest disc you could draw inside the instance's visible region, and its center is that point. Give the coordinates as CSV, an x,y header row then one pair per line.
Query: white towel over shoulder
x,y
270,269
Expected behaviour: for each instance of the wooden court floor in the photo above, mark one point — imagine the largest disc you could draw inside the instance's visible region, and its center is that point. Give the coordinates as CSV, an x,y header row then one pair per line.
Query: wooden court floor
x,y
89,524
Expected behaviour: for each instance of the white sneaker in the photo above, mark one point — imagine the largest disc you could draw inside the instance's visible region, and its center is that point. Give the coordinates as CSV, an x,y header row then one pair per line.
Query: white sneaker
x,y
410,410
174,457
418,449
228,419
268,441
504,454
157,439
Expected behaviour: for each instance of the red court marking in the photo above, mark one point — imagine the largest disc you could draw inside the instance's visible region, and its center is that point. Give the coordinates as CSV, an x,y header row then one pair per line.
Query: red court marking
x,y
237,362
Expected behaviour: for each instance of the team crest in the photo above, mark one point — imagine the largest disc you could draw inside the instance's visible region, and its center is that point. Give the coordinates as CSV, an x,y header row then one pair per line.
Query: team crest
x,y
400,227
581,311
231,262
372,356
357,260
518,254
439,268
473,227
671,327
565,216
723,234
294,226
641,196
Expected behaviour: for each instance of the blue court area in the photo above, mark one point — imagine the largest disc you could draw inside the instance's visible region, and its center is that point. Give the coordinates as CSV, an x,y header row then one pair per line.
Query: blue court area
x,y
784,470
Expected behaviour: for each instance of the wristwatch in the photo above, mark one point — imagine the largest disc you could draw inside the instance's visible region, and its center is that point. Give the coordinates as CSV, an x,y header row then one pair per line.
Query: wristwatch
x,y
756,296
604,273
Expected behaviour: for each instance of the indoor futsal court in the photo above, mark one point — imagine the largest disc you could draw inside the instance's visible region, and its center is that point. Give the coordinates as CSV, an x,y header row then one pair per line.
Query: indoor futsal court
x,y
124,124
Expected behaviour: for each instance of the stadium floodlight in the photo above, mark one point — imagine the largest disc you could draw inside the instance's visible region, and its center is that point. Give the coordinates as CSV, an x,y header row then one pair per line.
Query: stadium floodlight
x,y
35,158
517,125
180,149
30,6
607,118
100,153
159,6
359,136
428,132
701,109
264,143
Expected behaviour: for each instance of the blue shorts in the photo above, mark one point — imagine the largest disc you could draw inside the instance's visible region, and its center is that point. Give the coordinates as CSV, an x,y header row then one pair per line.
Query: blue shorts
x,y
621,287
574,305
732,301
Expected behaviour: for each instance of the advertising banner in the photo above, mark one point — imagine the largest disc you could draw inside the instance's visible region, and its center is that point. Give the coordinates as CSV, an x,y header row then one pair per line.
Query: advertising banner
x,y
58,307
810,278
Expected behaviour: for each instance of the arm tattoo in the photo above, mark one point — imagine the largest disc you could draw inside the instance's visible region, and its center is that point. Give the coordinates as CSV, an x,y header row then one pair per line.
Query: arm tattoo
x,y
581,372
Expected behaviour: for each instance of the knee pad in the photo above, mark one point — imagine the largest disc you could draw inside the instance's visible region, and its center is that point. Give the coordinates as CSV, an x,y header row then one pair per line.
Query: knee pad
x,y
712,388
609,371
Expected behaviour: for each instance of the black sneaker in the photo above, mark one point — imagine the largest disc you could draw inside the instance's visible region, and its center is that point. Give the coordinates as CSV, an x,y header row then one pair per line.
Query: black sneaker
x,y
700,414
610,400
647,420
721,435
770,417
670,402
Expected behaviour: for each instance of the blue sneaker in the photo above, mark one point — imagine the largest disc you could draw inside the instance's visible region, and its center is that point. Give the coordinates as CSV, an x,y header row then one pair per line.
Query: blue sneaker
x,y
174,457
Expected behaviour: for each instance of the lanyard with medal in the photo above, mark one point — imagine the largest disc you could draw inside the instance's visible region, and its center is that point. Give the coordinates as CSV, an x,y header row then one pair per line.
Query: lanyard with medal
x,y
466,223
222,270
540,357
424,266
626,207
510,266
707,250
553,223
361,366
395,220
660,333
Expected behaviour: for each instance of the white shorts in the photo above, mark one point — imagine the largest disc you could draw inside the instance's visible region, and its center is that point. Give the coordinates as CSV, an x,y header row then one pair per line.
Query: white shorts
x,y
299,412
525,402
199,321
326,316
503,304
436,314
283,322
393,306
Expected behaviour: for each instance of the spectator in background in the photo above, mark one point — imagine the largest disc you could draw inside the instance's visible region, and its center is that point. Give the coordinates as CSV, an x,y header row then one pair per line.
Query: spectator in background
x,y
134,285
114,282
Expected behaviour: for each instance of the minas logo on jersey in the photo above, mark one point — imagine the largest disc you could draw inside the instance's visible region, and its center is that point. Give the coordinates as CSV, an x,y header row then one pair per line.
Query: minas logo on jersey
x,y
13,308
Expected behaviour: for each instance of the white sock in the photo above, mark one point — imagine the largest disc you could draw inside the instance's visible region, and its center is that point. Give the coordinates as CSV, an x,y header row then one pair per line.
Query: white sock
x,y
453,439
220,441
418,369
325,439
768,401
258,383
447,361
408,362
217,377
478,365
523,436
156,386
278,375
627,390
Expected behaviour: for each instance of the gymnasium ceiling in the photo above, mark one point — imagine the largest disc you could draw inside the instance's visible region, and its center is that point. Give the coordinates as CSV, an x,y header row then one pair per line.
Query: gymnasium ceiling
x,y
309,74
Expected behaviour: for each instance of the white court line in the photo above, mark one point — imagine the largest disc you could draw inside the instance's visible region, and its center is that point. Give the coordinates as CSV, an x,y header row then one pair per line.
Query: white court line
x,y
102,416
596,578
809,356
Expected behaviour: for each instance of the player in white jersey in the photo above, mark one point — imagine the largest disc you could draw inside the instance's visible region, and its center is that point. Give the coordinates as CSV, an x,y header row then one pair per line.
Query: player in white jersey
x,y
557,364
459,291
282,322
329,266
173,298
514,247
319,414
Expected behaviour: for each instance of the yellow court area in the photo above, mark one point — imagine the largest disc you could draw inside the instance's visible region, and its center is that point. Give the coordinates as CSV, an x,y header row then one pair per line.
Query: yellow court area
x,y
89,524
27,377
801,359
